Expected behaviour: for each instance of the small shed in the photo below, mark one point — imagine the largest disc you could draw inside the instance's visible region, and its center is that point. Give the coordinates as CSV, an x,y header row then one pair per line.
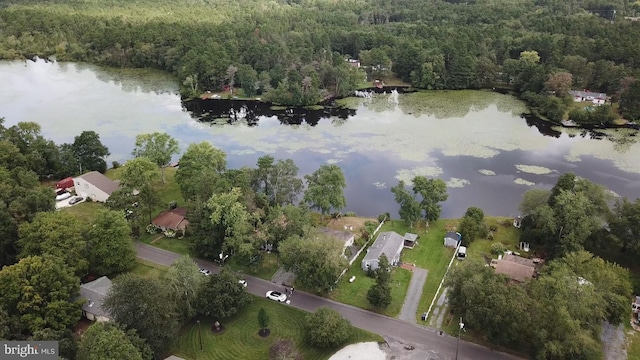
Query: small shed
x,y
410,240
452,239
66,183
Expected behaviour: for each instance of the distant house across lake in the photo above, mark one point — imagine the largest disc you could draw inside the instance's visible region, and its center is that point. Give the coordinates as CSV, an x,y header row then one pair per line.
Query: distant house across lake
x,y
588,96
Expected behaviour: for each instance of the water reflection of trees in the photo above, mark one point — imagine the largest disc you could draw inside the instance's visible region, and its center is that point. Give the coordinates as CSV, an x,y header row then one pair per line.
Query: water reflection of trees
x,y
230,112
133,80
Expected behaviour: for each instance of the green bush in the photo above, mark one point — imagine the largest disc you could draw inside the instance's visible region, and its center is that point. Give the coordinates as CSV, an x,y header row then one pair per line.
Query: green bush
x,y
498,248
350,214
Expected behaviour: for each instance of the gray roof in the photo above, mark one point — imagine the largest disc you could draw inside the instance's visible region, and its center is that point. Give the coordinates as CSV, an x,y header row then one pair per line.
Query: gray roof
x,y
410,237
95,292
343,236
387,243
452,235
100,181
173,357
587,94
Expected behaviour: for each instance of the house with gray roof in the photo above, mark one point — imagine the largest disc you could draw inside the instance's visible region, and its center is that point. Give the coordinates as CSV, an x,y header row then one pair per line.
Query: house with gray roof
x,y
95,186
389,243
94,293
345,237
586,95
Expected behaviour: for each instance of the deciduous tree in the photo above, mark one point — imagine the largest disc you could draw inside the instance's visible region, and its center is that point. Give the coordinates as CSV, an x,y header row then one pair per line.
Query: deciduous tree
x,y
560,83
157,147
89,152
139,176
410,210
144,304
184,281
326,328
325,189
222,296
58,234
109,247
277,180
433,192
200,168
315,258
103,341
38,292
533,199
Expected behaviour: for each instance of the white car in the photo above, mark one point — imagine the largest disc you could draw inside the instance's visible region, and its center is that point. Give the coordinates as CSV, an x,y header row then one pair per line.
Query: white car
x,y
63,196
243,282
276,296
205,272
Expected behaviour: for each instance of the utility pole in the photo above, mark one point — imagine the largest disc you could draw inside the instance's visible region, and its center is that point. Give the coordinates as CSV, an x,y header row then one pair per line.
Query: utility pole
x,y
460,329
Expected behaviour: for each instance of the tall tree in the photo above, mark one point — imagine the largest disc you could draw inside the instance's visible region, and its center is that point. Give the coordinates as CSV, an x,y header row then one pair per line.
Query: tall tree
x,y
37,291
139,176
109,247
222,296
410,210
89,152
184,281
277,180
315,258
200,168
263,319
284,222
157,147
58,234
433,192
144,304
231,222
325,189
533,199
630,102
104,341
472,225
326,328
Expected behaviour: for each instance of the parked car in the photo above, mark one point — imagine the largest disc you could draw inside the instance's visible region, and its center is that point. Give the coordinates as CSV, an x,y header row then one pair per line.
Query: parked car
x,y
63,196
243,282
75,200
205,272
276,296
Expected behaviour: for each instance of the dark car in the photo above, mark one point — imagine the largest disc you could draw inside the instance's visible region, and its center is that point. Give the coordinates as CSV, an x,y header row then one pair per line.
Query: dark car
x,y
75,200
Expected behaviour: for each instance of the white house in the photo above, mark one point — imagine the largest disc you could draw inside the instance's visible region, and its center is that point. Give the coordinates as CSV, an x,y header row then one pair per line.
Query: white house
x,y
95,185
94,293
389,243
452,239
594,98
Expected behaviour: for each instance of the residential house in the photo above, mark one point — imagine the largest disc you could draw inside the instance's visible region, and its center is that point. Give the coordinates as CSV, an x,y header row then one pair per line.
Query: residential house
x,y
594,98
517,268
345,237
389,243
452,239
410,240
95,186
353,62
636,305
174,219
94,293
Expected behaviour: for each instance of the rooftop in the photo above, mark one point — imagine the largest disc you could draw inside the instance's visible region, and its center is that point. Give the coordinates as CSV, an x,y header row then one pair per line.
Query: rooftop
x,y
172,219
95,292
387,243
100,181
452,235
343,236
410,237
516,267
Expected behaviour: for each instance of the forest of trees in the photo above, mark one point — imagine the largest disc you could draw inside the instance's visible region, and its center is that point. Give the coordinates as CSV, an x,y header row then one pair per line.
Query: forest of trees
x,y
294,51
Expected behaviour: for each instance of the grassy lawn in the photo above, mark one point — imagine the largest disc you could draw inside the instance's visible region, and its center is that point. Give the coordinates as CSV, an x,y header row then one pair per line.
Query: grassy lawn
x,y
506,234
430,253
148,269
180,246
168,192
263,269
241,341
355,293
85,211
633,344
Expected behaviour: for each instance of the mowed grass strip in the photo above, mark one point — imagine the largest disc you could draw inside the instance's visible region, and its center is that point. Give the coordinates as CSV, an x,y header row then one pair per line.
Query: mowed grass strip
x,y
264,268
240,339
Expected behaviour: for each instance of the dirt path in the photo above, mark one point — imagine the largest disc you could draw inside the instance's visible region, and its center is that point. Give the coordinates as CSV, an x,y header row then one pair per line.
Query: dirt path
x,y
439,310
411,301
614,342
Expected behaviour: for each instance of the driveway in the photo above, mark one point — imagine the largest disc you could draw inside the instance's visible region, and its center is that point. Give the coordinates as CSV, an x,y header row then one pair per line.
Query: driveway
x,y
412,300
395,331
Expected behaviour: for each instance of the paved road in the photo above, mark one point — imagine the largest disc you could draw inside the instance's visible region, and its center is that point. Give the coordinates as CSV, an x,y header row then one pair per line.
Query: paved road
x,y
412,300
440,347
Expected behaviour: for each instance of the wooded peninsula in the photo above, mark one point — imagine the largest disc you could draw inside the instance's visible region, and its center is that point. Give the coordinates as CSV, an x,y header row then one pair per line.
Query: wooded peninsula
x,y
301,52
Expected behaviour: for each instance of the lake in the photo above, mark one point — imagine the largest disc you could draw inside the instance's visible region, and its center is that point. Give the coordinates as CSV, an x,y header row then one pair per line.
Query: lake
x,y
476,141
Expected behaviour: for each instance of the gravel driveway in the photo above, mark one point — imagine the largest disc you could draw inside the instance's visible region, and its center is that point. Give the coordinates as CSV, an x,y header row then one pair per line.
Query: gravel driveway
x,y
412,300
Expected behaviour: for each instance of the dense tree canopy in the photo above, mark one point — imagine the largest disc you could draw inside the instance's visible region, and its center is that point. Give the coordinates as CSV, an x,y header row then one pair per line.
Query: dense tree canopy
x,y
157,147
326,328
109,246
325,189
221,296
103,341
